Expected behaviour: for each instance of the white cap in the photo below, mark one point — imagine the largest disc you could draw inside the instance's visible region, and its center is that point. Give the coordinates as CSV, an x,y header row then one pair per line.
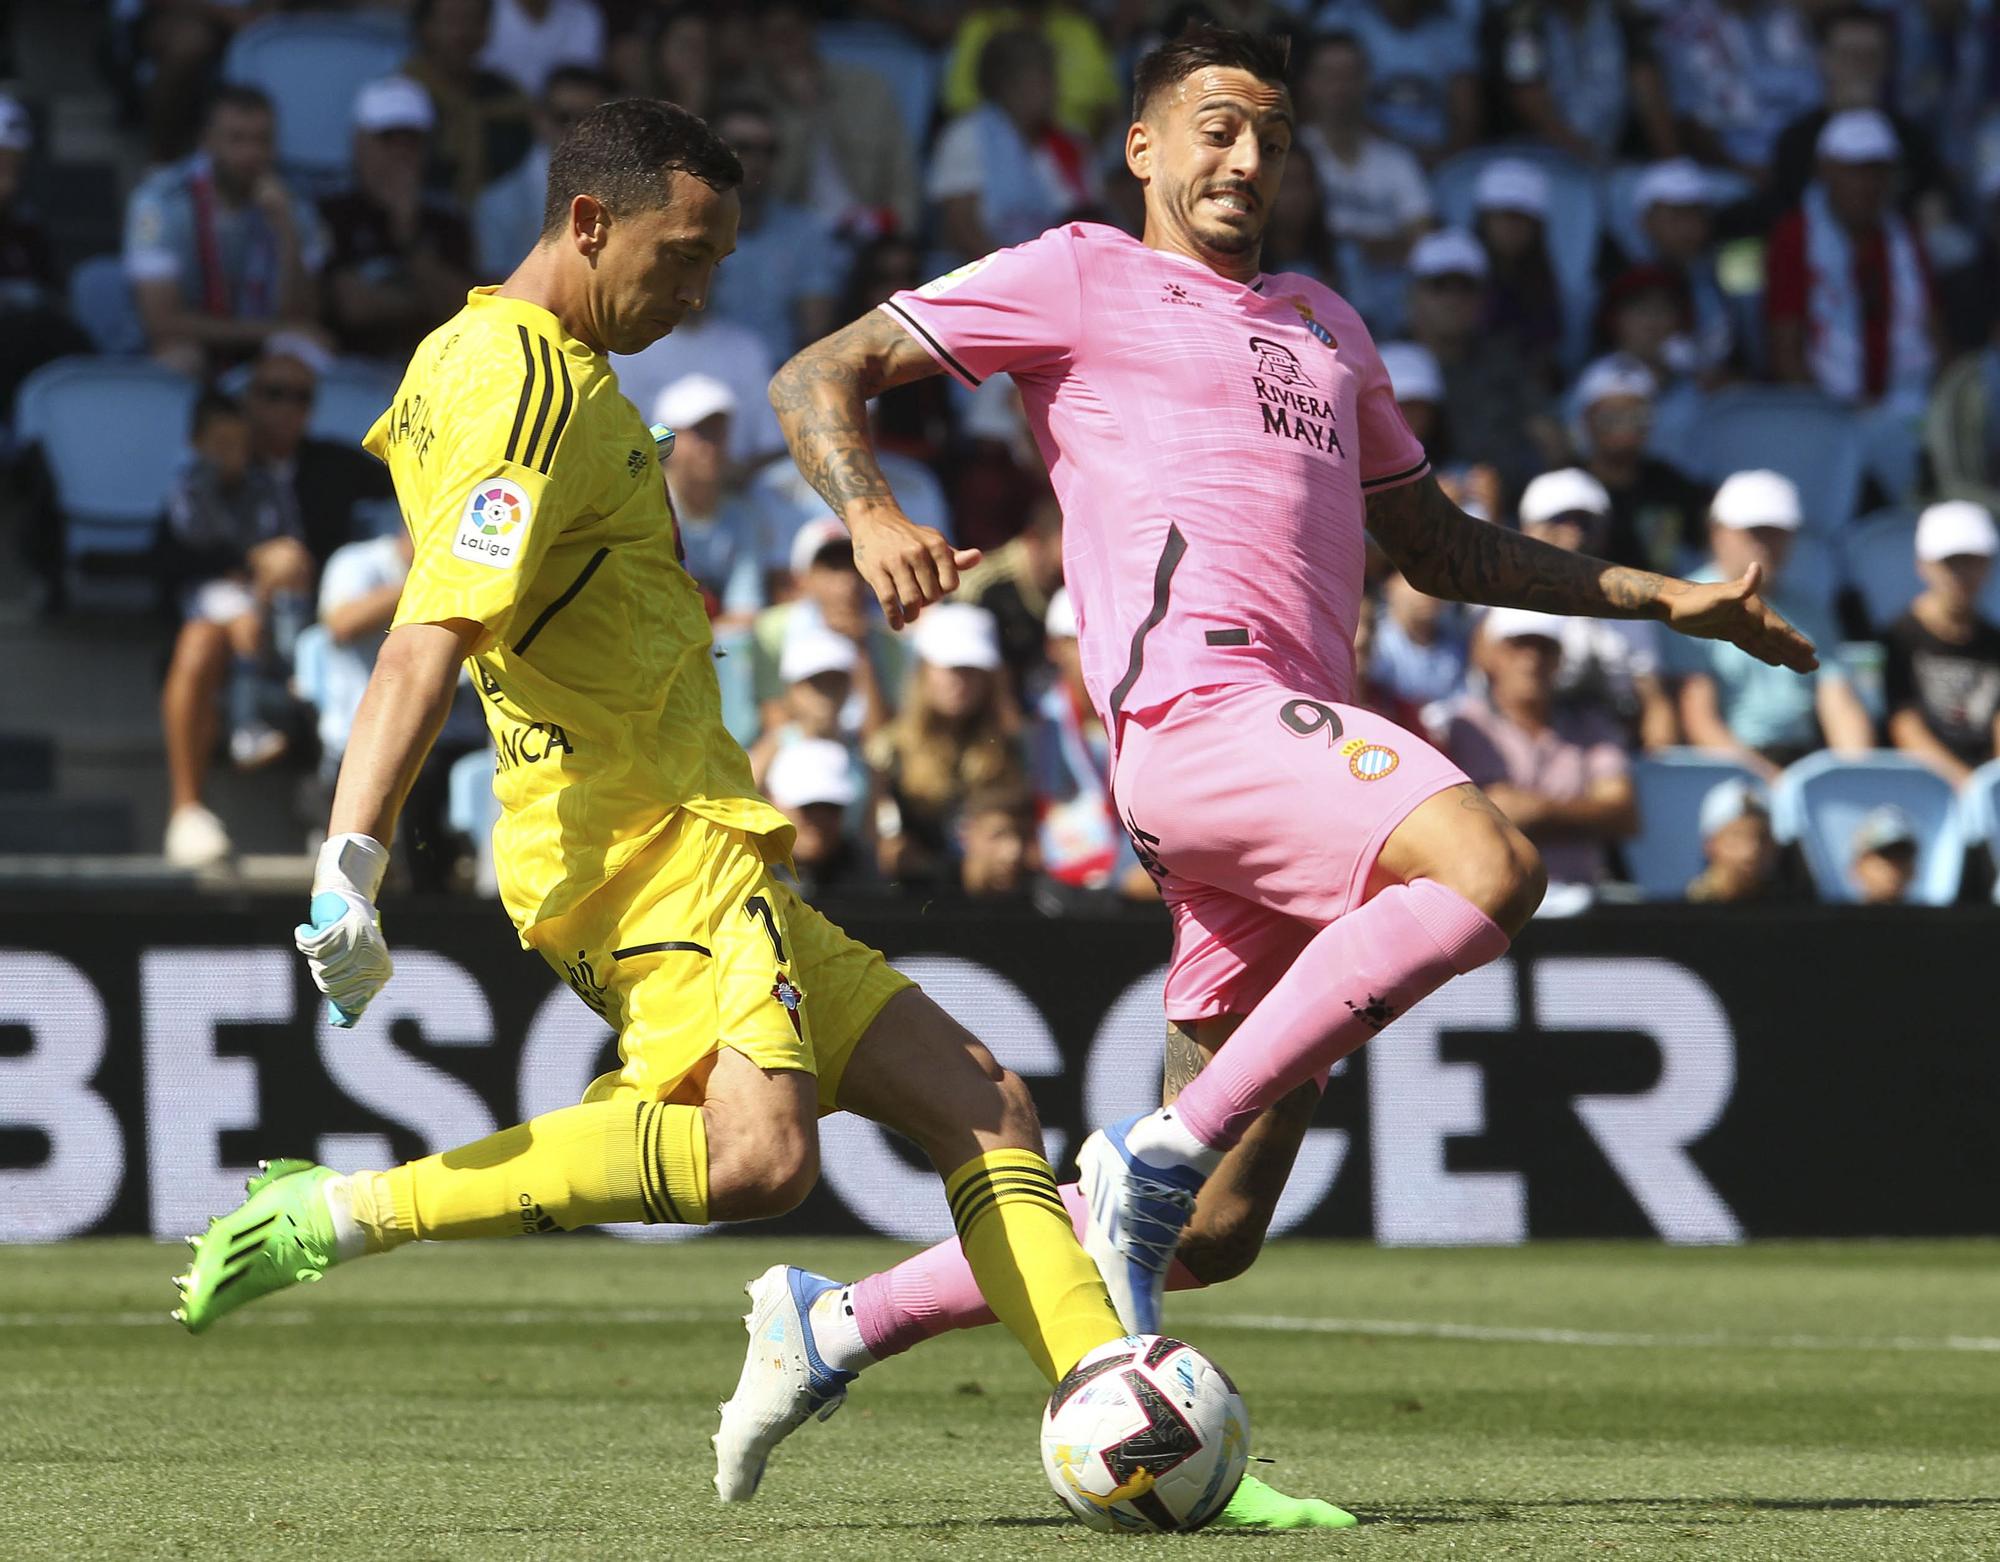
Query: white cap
x,y
1565,492
1414,374
17,131
812,770
810,539
812,649
1059,622
1678,181
1750,499
1615,374
297,345
1449,252
1859,135
693,399
1955,529
393,103
1520,623
957,634
1728,801
1511,184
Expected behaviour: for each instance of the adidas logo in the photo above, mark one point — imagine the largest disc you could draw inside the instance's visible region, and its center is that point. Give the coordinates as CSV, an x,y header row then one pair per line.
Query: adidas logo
x,y
535,1221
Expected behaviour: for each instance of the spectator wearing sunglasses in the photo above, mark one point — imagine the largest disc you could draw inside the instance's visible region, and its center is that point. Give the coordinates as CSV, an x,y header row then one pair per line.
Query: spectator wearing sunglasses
x,y
324,481
507,219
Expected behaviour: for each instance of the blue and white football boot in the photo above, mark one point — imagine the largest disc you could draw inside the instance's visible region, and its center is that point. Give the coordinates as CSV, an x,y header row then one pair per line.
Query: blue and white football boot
x,y
784,1382
1137,1213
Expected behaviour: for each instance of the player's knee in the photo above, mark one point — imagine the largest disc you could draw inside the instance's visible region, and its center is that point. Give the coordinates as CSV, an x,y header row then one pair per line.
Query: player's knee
x,y
766,1173
1502,874
1020,1123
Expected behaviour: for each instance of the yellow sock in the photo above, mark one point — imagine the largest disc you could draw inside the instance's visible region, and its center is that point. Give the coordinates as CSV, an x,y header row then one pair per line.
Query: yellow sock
x,y
1023,1251
623,1159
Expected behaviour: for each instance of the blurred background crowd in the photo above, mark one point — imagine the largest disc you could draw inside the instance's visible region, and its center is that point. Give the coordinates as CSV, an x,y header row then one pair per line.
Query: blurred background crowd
x,y
1687,285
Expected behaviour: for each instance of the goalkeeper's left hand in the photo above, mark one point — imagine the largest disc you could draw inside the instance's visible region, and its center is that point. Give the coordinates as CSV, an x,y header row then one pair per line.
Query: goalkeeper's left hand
x,y
343,942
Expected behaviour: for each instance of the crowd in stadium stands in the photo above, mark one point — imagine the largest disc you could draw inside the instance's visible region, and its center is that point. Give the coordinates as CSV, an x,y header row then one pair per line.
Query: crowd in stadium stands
x,y
1687,285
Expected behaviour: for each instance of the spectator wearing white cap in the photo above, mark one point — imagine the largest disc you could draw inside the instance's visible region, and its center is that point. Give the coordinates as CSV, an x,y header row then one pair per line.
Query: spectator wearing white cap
x,y
813,783
1883,864
724,540
1740,852
817,667
1579,73
1609,665
1493,414
829,593
34,325
1673,202
1857,52
1523,301
1657,510
1847,292
219,252
958,729
1732,704
1941,668
1376,198
1560,773
1083,845
400,262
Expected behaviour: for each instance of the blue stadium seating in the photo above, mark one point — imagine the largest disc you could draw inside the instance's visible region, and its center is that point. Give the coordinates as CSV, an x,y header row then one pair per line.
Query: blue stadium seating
x,y
911,71
312,64
1810,438
351,397
1979,814
1878,559
1666,853
1820,801
114,433
100,299
1575,221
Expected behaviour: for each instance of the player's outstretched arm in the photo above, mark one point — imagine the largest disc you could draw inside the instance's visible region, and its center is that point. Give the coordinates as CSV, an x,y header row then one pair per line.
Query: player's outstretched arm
x,y
1445,552
406,702
822,397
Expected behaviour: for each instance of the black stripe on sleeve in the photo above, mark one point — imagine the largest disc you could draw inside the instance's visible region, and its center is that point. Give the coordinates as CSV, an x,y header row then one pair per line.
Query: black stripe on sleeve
x,y
541,412
542,618
1163,583
562,413
910,322
1403,476
527,390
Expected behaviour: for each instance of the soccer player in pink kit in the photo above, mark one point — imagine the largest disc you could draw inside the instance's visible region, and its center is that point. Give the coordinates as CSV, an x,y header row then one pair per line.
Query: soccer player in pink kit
x,y
1219,438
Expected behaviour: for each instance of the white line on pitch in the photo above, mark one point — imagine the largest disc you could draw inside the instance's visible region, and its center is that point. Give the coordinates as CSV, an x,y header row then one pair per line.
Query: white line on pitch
x,y
1400,1328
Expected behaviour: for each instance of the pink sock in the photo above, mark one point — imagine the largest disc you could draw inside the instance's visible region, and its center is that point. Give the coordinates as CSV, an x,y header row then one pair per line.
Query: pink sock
x,y
1357,975
935,1291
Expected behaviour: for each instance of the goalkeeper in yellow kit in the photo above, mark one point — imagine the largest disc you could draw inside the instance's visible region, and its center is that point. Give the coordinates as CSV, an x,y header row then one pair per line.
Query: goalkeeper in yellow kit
x,y
633,851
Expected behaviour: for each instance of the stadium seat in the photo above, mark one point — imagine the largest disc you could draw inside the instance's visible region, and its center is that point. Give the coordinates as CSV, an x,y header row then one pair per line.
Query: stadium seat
x,y
1666,853
1878,559
1819,802
1810,438
1575,221
351,397
101,301
113,433
312,64
1979,814
910,70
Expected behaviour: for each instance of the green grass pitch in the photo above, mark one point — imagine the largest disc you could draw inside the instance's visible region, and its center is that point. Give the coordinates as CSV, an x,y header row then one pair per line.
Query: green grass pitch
x,y
554,1398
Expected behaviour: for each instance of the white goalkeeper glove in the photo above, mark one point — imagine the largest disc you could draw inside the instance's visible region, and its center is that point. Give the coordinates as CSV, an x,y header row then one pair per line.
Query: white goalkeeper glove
x,y
343,941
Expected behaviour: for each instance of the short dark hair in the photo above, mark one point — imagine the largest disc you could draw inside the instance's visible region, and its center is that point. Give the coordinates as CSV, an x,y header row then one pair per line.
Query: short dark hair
x,y
622,152
233,94
1263,55
211,406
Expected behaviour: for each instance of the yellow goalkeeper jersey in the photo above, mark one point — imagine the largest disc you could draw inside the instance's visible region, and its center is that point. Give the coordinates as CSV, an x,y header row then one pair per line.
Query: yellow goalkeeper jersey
x,y
532,490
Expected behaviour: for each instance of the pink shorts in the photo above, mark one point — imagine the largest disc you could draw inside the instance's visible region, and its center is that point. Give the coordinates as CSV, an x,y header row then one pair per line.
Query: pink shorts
x,y
1261,812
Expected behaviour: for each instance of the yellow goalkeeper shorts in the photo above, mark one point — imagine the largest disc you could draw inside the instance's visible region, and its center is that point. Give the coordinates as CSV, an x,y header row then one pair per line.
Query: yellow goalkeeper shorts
x,y
695,946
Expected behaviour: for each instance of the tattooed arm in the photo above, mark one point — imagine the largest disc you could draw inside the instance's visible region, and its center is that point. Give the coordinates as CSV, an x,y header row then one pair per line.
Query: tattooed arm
x,y
822,397
1446,553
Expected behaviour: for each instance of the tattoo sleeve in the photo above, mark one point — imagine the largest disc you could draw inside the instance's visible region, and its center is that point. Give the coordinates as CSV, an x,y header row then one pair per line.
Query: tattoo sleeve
x,y
821,397
1446,553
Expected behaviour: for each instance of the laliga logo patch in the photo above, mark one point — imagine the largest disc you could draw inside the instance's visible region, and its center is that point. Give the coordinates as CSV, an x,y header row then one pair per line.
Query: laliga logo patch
x,y
951,279
490,525
1369,761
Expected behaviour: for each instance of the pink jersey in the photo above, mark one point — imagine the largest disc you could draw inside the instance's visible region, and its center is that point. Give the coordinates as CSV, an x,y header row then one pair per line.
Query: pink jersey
x,y
1211,444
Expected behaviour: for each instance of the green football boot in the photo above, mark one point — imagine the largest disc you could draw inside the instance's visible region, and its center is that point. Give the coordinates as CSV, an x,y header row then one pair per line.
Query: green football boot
x,y
279,1236
1256,1506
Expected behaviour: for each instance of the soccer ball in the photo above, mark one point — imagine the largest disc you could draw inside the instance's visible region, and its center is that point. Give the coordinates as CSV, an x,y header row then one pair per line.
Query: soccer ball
x,y
1146,1433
